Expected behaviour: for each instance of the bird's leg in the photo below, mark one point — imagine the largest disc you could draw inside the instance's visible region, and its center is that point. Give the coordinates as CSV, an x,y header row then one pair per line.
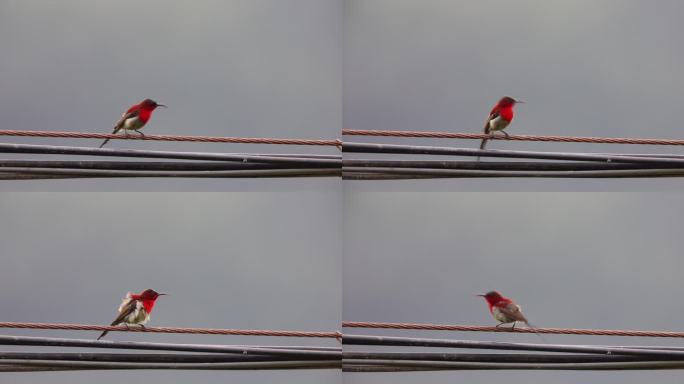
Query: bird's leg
x,y
140,133
513,326
498,325
142,326
127,327
505,134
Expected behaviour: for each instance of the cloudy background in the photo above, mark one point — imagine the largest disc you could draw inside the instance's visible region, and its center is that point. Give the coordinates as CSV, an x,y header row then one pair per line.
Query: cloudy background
x,y
586,68
237,260
601,260
247,68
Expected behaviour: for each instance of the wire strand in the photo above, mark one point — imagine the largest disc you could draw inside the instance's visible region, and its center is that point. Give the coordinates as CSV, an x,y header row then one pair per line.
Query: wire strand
x,y
200,331
202,139
478,328
480,136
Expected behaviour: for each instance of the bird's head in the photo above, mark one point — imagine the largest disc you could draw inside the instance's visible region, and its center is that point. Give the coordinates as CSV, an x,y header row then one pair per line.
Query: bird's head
x,y
150,294
508,101
492,297
150,104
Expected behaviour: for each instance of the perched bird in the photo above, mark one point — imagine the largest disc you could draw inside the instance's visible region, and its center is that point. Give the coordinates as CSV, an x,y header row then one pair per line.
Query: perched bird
x,y
135,309
504,309
500,117
135,118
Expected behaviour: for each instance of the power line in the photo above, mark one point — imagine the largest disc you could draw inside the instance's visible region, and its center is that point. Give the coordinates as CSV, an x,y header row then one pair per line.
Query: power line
x,y
557,356
480,136
196,331
192,356
478,328
203,139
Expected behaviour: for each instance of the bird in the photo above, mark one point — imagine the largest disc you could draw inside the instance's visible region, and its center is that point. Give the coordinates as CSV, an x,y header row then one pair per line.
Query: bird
x,y
135,309
135,118
500,117
504,309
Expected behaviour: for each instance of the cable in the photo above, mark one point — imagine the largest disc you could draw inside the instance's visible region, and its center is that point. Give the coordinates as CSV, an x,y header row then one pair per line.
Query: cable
x,y
199,331
202,139
478,328
480,136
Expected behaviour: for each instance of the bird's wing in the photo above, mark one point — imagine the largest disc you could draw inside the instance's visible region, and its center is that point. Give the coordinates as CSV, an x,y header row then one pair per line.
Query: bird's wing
x,y
126,299
128,306
132,112
492,115
513,311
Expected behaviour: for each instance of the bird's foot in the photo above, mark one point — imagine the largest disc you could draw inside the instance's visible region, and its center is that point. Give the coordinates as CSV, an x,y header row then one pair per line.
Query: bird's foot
x,y
140,133
505,134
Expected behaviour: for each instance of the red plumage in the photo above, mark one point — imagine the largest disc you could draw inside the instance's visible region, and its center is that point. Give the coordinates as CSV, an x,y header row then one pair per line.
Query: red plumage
x,y
499,117
135,117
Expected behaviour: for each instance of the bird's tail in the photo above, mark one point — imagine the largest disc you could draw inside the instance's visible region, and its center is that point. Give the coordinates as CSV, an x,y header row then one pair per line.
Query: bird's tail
x,y
107,140
532,328
103,334
483,143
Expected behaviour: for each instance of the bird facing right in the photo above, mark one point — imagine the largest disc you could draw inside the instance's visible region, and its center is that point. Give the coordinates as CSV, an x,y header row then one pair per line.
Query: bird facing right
x,y
135,309
135,117
500,117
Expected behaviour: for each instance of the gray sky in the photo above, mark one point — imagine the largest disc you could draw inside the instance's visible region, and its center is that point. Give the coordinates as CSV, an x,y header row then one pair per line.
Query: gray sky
x,y
236,260
601,260
305,69
249,68
585,68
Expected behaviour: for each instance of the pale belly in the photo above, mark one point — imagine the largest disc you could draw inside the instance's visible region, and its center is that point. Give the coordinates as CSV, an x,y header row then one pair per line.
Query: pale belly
x,y
501,317
139,316
132,124
498,124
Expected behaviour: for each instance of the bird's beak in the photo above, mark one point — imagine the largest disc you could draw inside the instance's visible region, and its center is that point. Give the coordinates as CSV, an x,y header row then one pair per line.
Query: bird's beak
x,y
163,294
481,295
519,102
162,105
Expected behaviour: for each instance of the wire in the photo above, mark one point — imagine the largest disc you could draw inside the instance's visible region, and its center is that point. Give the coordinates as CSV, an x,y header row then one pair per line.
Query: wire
x,y
480,136
477,328
202,139
197,331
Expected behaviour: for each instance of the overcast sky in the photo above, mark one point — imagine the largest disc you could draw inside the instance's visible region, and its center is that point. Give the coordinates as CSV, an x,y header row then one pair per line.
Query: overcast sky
x,y
237,260
305,69
601,260
246,68
585,68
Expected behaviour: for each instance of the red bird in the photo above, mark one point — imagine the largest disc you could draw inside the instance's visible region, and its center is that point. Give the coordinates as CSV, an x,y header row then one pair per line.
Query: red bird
x,y
504,309
500,117
135,118
135,309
